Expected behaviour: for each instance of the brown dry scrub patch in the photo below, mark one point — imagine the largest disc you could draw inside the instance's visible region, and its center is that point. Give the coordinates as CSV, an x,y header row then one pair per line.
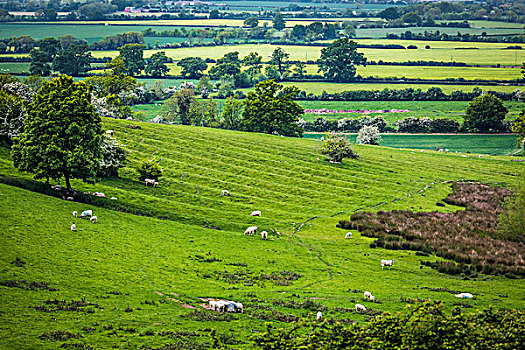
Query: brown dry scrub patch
x,y
468,237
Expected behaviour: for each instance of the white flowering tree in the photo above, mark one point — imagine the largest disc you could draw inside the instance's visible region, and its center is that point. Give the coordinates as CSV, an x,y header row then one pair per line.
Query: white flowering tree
x,y
368,135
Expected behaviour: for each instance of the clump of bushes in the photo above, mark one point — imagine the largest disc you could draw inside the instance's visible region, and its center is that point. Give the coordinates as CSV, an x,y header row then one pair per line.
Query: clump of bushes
x,y
149,169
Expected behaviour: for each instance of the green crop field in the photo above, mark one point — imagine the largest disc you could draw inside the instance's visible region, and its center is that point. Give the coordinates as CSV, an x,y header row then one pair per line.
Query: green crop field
x,y
14,67
130,281
382,32
471,143
420,109
470,56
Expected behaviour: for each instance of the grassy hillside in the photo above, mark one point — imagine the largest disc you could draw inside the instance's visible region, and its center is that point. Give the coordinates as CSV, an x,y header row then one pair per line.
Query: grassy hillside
x,y
110,275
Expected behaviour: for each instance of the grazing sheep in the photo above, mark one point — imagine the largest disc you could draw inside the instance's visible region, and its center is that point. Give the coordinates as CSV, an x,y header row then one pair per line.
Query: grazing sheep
x,y
109,132
56,187
86,213
359,307
251,230
155,184
388,263
464,295
73,227
367,295
225,193
99,194
93,219
239,307
264,235
70,198
348,235
150,182
75,214
372,298
213,305
256,213
319,315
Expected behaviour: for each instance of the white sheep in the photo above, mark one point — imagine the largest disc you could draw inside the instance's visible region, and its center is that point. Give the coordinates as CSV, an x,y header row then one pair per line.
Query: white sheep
x,y
99,194
70,198
359,307
239,307
225,193
109,132
73,227
75,214
256,213
372,298
56,187
319,315
149,182
464,295
264,235
213,305
86,213
93,219
388,263
348,235
367,295
251,230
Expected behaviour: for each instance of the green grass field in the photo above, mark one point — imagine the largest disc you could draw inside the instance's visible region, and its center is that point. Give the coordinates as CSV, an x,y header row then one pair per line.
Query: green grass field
x,y
469,143
121,265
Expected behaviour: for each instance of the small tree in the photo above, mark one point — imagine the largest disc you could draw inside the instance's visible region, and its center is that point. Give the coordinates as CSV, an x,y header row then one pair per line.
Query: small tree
x,y
149,169
12,116
278,59
113,157
518,126
278,21
337,147
338,60
179,105
368,135
157,64
485,113
133,57
62,133
231,114
40,63
251,22
192,67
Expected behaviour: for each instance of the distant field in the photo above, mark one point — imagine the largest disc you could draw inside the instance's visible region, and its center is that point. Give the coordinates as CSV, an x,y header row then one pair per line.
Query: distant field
x,y
382,32
421,109
489,56
14,67
483,144
495,24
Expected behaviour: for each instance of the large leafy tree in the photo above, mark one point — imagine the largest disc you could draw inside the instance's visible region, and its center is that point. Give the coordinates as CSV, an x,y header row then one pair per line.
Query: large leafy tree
x,y
51,46
157,64
62,133
251,22
485,113
114,81
338,60
133,57
179,106
73,61
278,59
278,21
192,67
229,64
40,64
270,108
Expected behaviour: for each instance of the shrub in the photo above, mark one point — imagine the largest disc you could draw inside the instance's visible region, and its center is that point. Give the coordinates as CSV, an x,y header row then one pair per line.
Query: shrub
x,y
149,169
336,147
368,135
113,157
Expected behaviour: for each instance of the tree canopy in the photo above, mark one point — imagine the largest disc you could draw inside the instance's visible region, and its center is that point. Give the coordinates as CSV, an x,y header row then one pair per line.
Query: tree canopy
x,y
485,113
62,133
73,61
133,57
278,59
270,109
338,60
192,67
157,64
278,21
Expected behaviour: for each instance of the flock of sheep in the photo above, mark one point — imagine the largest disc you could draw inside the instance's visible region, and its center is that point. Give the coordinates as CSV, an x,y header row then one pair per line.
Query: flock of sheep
x,y
84,215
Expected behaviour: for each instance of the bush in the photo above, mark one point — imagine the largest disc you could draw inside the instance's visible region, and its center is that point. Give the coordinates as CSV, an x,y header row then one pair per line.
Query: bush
x,y
113,157
336,147
149,169
368,135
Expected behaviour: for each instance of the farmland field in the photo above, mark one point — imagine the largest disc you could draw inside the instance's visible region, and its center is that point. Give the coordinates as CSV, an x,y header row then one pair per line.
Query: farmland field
x,y
502,145
135,280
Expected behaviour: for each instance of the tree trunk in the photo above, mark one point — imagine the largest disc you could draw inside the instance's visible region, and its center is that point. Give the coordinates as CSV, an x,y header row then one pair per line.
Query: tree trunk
x,y
68,185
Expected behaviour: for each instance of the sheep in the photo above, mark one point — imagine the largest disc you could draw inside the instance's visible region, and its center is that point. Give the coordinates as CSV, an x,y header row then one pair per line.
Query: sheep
x,y
372,298
70,198
264,235
464,295
109,132
367,296
256,213
239,307
86,213
151,182
56,187
319,315
348,235
225,193
213,305
250,230
73,227
99,194
75,214
93,219
388,263
359,307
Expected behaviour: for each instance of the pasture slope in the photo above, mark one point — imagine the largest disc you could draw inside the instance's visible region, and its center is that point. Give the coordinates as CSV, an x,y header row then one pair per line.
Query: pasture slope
x,y
131,281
